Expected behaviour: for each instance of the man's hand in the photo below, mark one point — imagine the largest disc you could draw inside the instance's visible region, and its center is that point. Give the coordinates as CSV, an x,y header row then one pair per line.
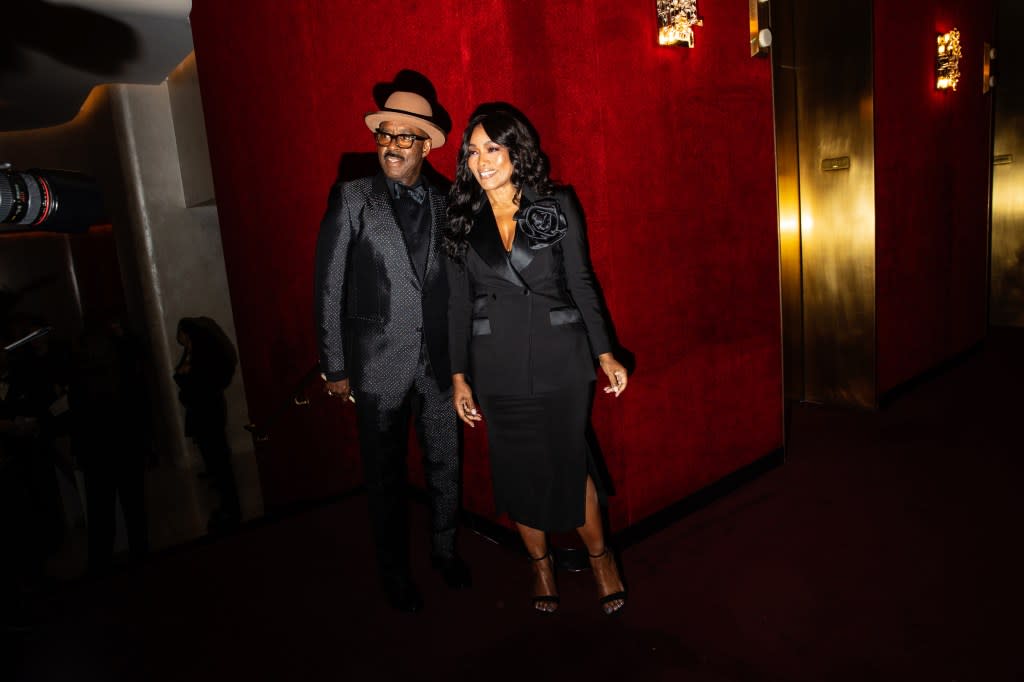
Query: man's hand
x,y
338,389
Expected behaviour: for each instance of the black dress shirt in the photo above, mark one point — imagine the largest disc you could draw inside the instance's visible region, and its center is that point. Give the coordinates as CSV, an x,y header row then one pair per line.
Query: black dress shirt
x,y
414,219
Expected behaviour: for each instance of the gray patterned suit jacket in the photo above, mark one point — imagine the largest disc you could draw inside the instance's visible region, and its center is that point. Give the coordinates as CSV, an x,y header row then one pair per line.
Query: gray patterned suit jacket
x,y
372,311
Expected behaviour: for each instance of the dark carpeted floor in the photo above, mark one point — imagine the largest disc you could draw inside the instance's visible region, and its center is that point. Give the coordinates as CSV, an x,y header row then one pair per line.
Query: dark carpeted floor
x,y
886,548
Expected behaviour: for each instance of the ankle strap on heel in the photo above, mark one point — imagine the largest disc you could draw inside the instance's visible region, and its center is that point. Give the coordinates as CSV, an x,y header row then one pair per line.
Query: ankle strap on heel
x,y
599,554
535,559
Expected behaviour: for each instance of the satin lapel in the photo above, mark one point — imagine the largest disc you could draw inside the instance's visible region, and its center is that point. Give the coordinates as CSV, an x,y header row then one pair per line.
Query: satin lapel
x,y
522,255
439,218
384,219
486,241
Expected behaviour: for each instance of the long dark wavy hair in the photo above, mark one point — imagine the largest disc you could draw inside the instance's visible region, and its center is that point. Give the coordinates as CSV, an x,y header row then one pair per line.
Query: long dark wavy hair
x,y
530,168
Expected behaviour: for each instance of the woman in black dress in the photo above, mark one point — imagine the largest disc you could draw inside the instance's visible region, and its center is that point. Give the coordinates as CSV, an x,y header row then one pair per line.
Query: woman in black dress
x,y
525,325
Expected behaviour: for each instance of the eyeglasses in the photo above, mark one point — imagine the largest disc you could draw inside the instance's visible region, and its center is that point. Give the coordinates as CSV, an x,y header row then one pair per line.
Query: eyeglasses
x,y
403,140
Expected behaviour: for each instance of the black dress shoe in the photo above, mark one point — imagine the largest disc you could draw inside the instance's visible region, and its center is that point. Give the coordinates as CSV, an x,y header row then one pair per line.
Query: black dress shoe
x,y
454,571
403,596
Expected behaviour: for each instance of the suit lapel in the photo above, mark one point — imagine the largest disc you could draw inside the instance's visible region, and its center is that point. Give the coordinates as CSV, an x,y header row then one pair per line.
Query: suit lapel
x,y
439,217
485,240
385,221
522,255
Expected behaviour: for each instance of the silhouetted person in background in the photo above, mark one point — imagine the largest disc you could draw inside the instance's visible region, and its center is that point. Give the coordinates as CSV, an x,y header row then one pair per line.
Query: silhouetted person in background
x,y
15,533
111,435
32,405
205,370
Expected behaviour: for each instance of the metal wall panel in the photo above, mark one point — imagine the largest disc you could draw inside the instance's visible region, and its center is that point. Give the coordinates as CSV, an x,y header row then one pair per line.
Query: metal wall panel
x,y
788,177
824,127
835,115
1007,297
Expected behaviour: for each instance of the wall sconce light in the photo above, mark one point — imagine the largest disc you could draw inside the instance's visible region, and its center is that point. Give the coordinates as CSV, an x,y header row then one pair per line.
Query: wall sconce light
x,y
760,34
947,60
676,19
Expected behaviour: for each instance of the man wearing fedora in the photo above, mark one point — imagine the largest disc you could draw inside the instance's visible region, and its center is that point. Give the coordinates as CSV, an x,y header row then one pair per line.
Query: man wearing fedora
x,y
381,306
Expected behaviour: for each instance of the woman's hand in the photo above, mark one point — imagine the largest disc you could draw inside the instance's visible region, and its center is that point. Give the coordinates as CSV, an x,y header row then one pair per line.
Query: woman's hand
x,y
616,373
462,399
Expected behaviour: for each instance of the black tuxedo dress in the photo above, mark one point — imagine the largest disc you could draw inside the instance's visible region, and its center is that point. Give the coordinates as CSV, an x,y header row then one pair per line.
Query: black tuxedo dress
x,y
525,327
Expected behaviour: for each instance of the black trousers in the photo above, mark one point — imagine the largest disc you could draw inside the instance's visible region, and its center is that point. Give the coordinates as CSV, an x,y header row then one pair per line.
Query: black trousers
x,y
216,453
383,422
117,469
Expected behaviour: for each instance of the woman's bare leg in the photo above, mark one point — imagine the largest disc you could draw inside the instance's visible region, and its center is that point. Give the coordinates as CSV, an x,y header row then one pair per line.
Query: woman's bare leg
x,y
606,573
543,566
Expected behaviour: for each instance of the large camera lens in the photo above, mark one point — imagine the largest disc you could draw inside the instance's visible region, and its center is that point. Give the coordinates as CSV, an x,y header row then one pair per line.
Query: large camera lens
x,y
20,202
59,201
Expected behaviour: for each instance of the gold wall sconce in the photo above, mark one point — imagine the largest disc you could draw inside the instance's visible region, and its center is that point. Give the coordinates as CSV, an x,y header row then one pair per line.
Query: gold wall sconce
x,y
760,34
947,60
676,19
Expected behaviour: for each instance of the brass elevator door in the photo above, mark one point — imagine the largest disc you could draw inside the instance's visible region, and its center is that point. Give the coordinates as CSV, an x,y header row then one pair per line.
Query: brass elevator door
x,y
1006,306
823,69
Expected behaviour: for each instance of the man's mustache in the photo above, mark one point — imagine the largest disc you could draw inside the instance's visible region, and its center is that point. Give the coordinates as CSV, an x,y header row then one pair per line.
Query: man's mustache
x,y
394,155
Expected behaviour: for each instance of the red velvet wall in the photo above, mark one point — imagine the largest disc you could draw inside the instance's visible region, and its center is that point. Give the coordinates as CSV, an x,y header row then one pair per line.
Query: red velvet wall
x,y
932,163
670,151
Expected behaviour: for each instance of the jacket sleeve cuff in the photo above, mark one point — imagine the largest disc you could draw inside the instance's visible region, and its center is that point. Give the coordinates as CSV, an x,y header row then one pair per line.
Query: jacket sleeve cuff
x,y
336,376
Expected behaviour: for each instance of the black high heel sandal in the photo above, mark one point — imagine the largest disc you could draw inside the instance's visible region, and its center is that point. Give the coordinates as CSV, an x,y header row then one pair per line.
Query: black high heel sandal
x,y
614,596
545,598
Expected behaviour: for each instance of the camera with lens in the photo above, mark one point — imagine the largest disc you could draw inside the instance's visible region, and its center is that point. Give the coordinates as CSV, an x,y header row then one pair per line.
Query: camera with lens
x,y
48,200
